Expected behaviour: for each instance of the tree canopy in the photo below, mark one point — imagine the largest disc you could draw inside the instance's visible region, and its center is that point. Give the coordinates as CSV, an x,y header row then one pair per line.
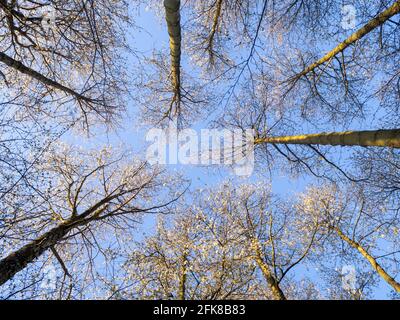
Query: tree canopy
x,y
85,213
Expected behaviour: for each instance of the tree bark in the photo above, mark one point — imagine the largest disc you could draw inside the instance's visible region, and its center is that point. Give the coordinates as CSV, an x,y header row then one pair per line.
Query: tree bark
x,y
172,13
382,273
19,259
214,30
183,276
371,25
377,138
269,277
19,66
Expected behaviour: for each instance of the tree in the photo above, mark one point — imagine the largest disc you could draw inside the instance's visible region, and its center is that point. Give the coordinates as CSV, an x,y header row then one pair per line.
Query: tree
x,y
354,220
379,138
172,16
371,25
272,233
213,28
229,63
80,193
61,67
52,43
225,246
184,260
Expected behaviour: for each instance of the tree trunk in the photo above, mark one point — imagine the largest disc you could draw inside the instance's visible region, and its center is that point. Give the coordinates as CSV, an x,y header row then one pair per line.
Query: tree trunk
x,y
19,66
172,13
383,274
371,25
19,259
378,138
183,276
214,30
269,277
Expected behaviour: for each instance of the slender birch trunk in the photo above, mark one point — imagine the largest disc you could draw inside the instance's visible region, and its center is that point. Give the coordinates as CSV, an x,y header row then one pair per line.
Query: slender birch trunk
x,y
172,14
371,25
377,138
19,66
375,265
269,277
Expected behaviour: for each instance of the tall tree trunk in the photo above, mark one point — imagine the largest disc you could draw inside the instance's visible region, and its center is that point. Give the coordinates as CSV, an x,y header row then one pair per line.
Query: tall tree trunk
x,y
183,275
371,25
172,14
19,66
377,138
382,273
214,30
19,259
269,277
